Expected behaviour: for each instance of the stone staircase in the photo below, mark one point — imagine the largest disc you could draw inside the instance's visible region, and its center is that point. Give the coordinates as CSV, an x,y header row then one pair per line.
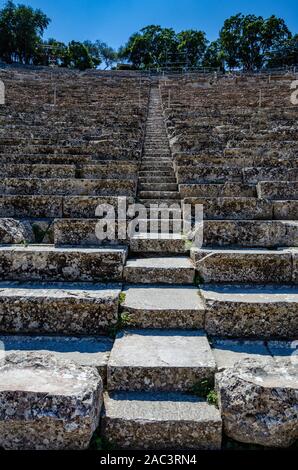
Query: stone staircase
x,y
177,315
157,180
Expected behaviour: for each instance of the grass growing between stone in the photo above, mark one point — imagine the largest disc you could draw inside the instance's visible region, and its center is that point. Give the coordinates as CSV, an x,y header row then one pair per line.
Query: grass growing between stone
x,y
100,443
122,323
122,297
205,389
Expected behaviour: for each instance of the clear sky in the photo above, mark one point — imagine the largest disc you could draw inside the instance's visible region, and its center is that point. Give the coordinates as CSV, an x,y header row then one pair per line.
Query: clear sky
x,y
113,21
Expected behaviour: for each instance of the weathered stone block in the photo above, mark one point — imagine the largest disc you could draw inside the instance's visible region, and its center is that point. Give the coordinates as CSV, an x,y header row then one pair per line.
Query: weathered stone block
x,y
258,403
15,231
47,263
285,210
278,190
171,360
250,233
233,208
58,308
147,420
30,206
165,270
227,352
158,243
247,311
46,403
217,190
244,266
159,306
84,350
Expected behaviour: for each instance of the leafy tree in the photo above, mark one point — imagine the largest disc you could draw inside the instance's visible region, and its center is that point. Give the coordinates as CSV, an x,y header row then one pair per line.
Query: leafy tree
x,y
7,41
213,56
21,30
246,40
107,54
78,56
152,47
94,52
287,54
192,44
29,27
51,52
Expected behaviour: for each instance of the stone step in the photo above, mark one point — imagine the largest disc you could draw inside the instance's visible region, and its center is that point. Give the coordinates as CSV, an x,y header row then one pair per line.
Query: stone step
x,y
48,403
156,140
256,174
168,167
84,207
245,208
157,146
133,420
220,208
35,159
163,270
58,308
20,206
85,232
158,179
217,190
109,170
237,159
49,263
90,351
22,186
148,167
251,311
159,195
227,352
167,243
278,190
174,360
156,173
250,233
153,159
251,266
159,306
49,206
158,186
167,224
208,174
157,154
37,171
174,203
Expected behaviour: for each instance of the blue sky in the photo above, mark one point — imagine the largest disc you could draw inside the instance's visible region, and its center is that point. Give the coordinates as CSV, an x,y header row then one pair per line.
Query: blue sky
x,y
113,21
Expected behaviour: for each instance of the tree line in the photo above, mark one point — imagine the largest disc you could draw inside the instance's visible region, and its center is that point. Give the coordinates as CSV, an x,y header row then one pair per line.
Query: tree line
x,y
245,42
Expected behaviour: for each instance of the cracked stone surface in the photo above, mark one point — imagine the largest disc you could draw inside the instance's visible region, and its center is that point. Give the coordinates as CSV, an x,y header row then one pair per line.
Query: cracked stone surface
x,y
259,402
46,403
256,266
